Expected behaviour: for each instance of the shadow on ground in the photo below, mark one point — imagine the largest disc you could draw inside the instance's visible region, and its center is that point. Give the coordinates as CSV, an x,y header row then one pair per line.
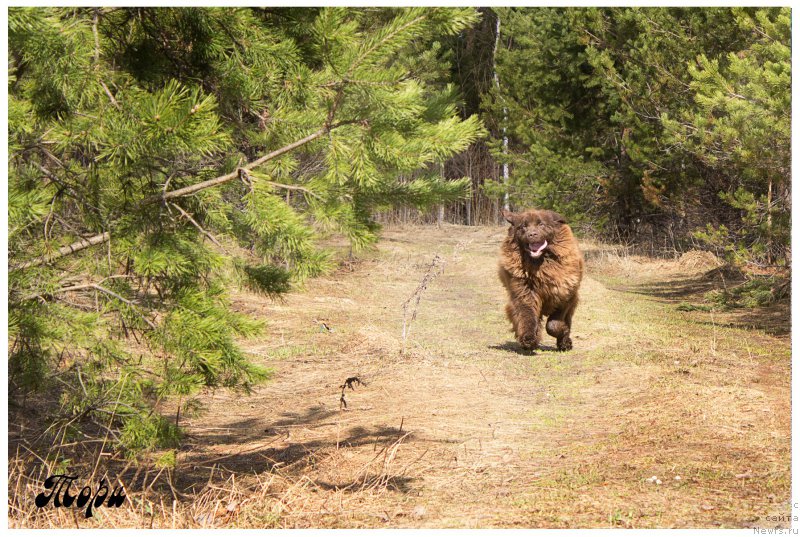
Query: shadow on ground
x,y
285,445
683,287
513,346
774,319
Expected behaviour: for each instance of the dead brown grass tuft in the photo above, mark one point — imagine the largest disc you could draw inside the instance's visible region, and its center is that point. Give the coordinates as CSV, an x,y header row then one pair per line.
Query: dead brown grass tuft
x,y
697,260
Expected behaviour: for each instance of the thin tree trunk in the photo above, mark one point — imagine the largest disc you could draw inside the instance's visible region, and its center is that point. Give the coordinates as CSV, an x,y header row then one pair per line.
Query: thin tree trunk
x,y
506,204
469,205
769,222
470,197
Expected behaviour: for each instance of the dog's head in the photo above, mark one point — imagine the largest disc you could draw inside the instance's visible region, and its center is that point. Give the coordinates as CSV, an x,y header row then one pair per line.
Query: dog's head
x,y
535,232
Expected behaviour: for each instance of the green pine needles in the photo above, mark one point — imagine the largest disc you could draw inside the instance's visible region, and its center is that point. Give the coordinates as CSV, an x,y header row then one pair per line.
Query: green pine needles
x,y
157,156
651,121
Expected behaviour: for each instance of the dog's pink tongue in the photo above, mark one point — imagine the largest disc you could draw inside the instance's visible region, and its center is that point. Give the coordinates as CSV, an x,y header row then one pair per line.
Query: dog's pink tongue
x,y
538,252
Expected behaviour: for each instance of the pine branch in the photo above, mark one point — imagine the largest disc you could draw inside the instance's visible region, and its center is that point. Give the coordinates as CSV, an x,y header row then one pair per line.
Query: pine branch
x,y
191,189
388,37
185,191
63,251
294,187
194,222
65,185
125,300
102,289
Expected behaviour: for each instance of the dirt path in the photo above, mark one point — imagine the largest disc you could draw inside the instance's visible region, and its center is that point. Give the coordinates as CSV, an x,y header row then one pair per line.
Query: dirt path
x,y
462,430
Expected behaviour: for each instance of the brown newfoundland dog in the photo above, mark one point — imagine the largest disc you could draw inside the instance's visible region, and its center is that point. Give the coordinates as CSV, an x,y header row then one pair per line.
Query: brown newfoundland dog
x,y
541,267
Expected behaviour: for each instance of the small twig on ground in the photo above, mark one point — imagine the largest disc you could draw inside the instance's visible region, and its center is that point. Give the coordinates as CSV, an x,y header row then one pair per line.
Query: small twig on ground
x,y
435,268
349,383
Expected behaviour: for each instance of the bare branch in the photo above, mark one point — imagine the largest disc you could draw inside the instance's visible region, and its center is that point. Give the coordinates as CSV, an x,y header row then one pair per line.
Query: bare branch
x,y
102,289
194,222
95,21
64,250
435,268
191,189
294,187
110,96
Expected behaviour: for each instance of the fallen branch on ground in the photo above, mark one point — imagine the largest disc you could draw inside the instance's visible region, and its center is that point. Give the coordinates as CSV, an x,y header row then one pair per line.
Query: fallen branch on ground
x,y
435,268
348,383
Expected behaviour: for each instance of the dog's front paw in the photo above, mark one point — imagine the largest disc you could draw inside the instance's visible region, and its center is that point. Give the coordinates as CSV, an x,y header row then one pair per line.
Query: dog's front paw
x,y
564,344
529,342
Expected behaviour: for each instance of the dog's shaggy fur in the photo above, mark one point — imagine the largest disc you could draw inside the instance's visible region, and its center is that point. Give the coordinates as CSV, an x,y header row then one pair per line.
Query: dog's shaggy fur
x,y
541,267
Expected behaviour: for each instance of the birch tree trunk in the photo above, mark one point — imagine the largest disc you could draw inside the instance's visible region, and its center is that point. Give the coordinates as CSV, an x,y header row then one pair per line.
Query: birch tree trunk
x,y
505,115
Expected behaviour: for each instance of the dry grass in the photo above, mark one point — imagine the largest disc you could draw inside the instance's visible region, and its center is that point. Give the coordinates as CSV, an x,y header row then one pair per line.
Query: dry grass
x,y
464,429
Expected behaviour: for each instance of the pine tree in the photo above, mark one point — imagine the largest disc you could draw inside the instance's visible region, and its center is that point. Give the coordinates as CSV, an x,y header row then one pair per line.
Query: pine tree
x,y
159,156
545,110
739,125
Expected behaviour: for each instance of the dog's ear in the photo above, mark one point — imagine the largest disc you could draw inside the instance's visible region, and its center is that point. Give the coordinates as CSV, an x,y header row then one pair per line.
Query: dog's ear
x,y
555,217
512,218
